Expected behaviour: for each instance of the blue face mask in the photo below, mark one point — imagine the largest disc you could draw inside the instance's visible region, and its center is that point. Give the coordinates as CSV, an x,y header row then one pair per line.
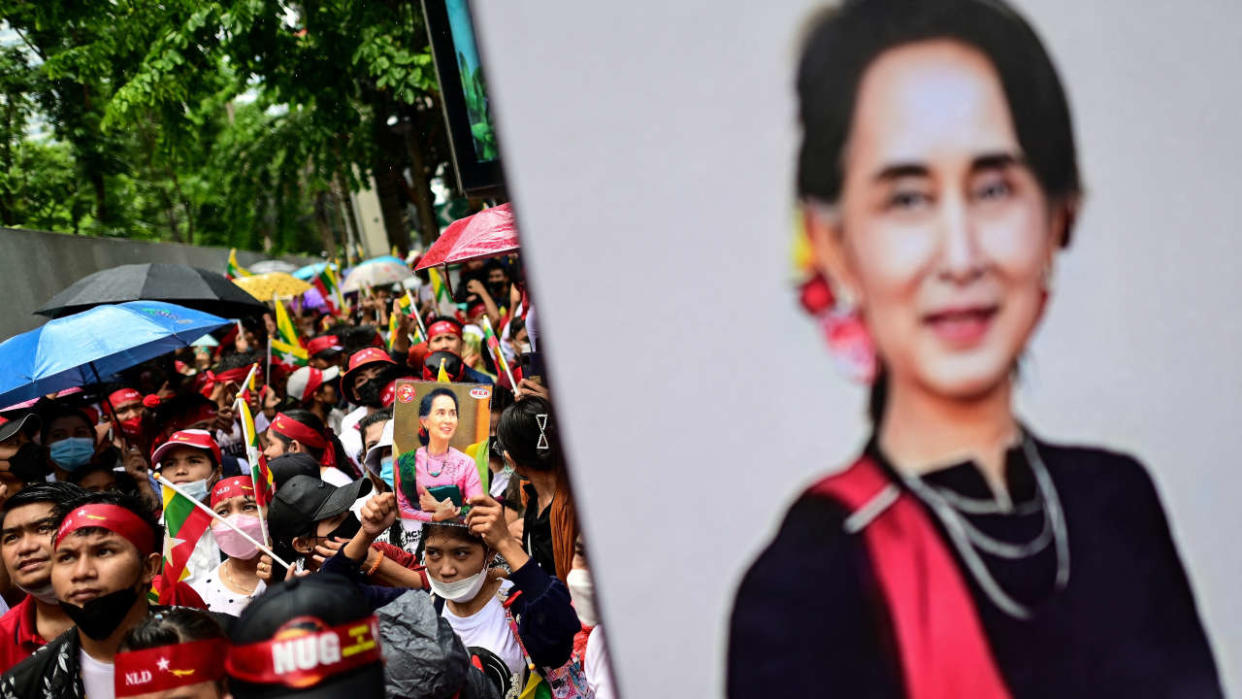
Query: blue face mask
x,y
72,453
386,470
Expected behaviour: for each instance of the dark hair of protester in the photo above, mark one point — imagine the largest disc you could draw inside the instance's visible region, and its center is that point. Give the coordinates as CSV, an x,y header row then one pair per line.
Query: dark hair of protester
x,y
502,398
56,411
313,422
424,408
57,494
843,42
519,431
237,360
451,531
183,410
122,481
377,416
172,626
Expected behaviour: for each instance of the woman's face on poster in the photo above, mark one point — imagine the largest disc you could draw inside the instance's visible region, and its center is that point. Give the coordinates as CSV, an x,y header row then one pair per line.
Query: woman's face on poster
x,y
942,233
441,421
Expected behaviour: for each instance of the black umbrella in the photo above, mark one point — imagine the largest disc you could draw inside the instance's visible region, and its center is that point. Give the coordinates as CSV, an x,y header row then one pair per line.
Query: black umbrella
x,y
183,285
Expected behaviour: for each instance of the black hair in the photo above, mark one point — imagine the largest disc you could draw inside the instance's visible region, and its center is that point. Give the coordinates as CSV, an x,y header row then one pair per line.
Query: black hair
x,y
56,494
451,531
172,626
494,263
424,406
56,412
502,398
125,483
844,41
133,503
309,419
520,431
237,360
169,413
378,416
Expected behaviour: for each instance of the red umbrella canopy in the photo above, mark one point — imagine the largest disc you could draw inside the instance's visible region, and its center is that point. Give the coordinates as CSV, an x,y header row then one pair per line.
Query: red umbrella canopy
x,y
485,234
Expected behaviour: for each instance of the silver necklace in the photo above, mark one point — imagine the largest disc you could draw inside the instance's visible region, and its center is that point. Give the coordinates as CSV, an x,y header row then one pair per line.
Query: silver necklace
x,y
965,537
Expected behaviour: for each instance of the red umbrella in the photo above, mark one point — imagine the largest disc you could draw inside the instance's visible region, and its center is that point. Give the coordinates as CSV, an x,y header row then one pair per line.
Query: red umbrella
x,y
488,233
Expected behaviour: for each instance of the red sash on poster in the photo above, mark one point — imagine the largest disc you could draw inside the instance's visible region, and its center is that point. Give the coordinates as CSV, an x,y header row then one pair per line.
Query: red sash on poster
x,y
944,652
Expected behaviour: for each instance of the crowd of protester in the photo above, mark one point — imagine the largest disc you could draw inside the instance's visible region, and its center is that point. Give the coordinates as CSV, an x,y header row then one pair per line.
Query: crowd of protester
x,y
316,583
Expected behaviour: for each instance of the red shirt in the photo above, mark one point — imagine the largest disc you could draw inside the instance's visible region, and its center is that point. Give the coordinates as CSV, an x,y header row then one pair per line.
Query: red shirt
x,y
19,635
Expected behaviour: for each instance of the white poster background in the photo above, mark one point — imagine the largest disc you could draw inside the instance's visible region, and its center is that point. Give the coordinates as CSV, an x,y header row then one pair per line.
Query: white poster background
x,y
649,149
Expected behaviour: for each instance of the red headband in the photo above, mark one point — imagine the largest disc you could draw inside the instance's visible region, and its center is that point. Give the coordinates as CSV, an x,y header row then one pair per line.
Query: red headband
x,y
289,428
163,668
125,396
115,519
235,375
443,327
231,488
301,658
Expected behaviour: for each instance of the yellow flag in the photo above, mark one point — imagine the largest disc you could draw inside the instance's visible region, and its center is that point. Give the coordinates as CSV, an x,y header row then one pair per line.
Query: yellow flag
x,y
442,376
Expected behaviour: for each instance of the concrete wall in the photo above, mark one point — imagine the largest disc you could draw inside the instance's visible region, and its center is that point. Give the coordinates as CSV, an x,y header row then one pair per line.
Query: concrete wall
x,y
36,265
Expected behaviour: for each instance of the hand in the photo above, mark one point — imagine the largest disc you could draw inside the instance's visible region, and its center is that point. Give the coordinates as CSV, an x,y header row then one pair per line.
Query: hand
x,y
378,514
445,511
533,387
487,519
426,502
270,399
475,286
224,419
327,548
264,569
270,324
136,464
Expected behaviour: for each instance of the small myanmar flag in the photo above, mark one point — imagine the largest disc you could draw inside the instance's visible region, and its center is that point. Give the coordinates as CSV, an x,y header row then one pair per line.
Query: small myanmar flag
x,y
260,474
403,304
442,376
233,270
293,355
185,524
324,284
438,288
284,325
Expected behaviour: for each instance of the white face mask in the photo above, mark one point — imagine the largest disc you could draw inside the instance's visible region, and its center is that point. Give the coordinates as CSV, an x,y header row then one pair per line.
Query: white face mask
x,y
44,594
462,590
196,489
582,592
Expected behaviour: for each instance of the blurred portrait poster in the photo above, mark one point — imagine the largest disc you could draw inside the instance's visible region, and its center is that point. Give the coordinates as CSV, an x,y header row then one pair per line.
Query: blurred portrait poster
x,y
440,439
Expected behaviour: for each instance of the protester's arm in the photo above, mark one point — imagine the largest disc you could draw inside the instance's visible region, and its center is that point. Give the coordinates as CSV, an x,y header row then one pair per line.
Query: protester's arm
x,y
478,288
547,623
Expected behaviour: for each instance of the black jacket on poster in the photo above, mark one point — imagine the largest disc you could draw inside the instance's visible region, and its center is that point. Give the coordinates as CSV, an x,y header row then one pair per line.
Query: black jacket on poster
x,y
810,619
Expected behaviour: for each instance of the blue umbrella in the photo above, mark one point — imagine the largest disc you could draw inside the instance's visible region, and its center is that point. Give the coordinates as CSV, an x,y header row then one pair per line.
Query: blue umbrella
x,y
78,349
309,272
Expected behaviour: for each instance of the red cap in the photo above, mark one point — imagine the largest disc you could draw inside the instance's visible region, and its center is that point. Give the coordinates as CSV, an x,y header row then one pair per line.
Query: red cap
x,y
389,395
237,486
198,439
322,344
370,355
124,397
163,668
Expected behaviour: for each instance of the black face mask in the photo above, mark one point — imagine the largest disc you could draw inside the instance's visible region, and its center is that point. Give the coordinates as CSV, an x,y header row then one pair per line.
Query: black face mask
x,y
99,617
29,463
368,394
499,292
346,529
